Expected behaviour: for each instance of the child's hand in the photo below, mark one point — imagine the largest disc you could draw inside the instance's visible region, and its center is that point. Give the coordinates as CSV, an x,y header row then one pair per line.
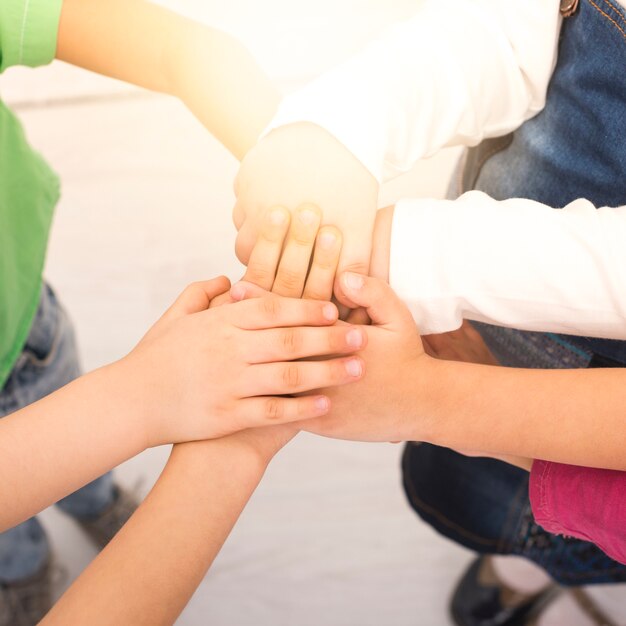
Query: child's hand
x,y
293,256
302,162
464,345
382,406
202,373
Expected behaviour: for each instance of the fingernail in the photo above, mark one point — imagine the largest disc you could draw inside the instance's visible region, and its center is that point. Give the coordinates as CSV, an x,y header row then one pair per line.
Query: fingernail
x,y
307,217
354,368
238,292
353,281
354,338
278,217
322,404
327,240
330,312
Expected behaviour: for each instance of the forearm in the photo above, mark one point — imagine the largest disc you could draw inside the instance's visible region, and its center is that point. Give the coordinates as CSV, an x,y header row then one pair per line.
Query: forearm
x,y
56,445
453,74
568,416
514,263
150,570
149,46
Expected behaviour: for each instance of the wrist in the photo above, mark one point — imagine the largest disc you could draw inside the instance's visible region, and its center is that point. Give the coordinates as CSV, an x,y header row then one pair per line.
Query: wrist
x,y
381,244
126,384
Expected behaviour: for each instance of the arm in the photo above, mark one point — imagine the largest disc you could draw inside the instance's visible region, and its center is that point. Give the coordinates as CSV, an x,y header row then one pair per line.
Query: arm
x,y
144,44
151,568
589,504
453,74
209,481
568,416
547,270
197,374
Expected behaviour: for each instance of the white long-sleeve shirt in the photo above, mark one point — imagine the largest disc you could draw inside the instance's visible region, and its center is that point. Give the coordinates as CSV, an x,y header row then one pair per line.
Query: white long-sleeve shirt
x,y
457,72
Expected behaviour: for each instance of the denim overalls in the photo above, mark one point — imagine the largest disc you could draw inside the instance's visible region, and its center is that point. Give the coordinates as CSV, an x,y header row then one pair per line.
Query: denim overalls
x,y
575,148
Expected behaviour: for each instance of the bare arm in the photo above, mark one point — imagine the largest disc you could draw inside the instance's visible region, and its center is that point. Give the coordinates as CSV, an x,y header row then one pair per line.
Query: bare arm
x,y
197,374
151,568
569,416
149,46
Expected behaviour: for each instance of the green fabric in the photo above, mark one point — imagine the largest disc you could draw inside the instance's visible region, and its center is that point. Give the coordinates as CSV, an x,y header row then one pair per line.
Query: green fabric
x,y
29,189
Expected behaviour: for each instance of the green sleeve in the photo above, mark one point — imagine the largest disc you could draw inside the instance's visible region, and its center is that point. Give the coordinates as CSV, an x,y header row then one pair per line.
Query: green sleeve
x,y
28,32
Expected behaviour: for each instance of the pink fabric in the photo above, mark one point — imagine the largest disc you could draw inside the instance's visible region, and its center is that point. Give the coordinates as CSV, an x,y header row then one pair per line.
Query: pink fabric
x,y
581,502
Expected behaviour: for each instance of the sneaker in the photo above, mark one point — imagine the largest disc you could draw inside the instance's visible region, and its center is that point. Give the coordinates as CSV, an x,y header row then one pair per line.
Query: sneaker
x,y
103,528
25,602
481,599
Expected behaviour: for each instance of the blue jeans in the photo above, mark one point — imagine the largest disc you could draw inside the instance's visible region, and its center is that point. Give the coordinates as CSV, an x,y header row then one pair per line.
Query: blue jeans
x,y
570,150
49,361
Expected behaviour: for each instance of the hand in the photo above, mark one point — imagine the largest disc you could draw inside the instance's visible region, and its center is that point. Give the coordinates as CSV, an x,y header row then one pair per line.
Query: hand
x,y
303,163
391,402
201,373
465,345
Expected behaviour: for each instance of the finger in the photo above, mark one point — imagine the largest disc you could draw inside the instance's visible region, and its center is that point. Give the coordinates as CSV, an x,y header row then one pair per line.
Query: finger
x,y
289,344
319,284
197,297
239,215
275,379
272,311
294,264
355,258
266,253
358,317
222,299
377,297
263,411
244,291
246,238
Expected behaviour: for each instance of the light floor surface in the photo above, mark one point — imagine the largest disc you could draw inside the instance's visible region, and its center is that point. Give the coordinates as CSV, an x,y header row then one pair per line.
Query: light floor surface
x,y
328,538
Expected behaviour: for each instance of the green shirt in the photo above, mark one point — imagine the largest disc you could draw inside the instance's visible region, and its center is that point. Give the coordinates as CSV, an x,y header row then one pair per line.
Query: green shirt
x,y
29,189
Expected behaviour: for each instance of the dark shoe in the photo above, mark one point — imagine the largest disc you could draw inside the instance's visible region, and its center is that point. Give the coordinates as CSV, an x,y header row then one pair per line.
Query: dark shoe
x,y
103,528
481,599
25,603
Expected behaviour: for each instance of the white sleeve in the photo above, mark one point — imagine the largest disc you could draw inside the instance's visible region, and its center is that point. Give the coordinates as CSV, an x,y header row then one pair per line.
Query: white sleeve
x,y
514,263
456,72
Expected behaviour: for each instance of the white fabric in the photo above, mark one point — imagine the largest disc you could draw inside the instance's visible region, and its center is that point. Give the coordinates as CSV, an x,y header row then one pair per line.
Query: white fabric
x,y
526,266
456,72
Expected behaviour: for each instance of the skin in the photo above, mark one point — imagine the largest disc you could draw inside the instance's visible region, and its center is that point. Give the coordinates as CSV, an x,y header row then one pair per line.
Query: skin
x,y
449,390
149,571
224,368
144,44
303,163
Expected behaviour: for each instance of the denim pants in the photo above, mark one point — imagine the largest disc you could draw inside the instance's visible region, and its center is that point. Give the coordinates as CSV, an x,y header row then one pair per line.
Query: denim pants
x,y
49,361
574,148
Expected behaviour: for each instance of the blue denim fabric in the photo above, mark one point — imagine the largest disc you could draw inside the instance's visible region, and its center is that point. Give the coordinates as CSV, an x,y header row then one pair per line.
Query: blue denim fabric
x,y
49,361
574,148
483,505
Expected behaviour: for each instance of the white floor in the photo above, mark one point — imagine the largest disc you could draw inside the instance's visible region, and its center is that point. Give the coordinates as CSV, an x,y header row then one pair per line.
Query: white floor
x,y
328,538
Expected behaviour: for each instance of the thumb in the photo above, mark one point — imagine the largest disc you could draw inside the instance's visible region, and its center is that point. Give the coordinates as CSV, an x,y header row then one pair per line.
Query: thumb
x,y
355,258
377,298
197,297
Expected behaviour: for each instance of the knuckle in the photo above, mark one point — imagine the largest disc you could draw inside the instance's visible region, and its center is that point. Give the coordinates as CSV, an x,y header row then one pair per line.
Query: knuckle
x,y
313,293
289,279
273,408
292,376
325,262
270,306
357,267
259,274
291,341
